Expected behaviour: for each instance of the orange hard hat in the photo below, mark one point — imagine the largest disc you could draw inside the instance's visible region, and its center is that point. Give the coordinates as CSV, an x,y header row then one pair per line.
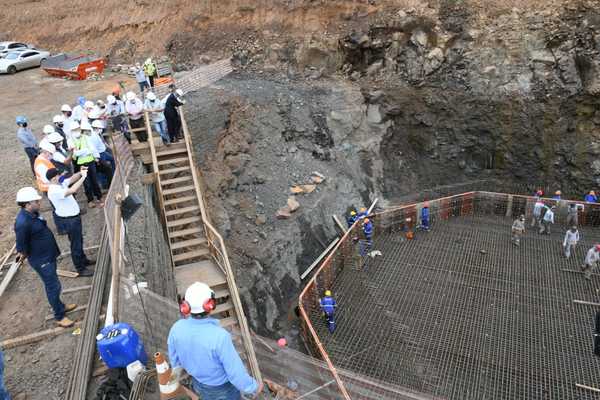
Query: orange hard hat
x,y
366,221
116,90
363,209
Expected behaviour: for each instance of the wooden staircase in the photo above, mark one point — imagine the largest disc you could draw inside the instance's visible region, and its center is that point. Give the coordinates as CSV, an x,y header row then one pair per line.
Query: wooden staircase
x,y
198,251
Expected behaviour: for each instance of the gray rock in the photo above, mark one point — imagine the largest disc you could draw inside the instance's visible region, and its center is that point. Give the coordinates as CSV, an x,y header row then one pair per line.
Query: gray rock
x,y
375,68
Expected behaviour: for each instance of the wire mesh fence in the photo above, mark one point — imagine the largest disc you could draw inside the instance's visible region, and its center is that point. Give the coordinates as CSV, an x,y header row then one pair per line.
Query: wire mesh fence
x,y
460,311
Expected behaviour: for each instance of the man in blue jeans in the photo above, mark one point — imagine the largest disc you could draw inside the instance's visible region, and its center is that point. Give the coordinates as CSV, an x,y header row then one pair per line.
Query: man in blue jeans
x,y
4,395
205,350
60,194
36,243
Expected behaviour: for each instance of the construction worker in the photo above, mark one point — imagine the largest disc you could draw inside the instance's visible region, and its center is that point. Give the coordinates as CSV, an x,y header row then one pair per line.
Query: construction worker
x,y
367,226
572,215
105,162
518,229
557,195
59,122
425,216
83,153
135,110
60,193
570,241
199,345
328,306
47,130
42,164
538,193
591,197
36,244
591,261
174,100
140,77
156,108
4,395
351,219
538,209
362,213
61,158
150,71
547,220
78,109
116,113
67,112
27,140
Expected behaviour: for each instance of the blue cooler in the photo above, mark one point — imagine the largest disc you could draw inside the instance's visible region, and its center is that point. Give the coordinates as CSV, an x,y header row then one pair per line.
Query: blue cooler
x,y
119,345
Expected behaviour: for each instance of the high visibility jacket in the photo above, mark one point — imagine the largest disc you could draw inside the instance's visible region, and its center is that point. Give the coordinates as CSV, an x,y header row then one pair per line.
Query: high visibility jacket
x,y
149,69
41,180
80,144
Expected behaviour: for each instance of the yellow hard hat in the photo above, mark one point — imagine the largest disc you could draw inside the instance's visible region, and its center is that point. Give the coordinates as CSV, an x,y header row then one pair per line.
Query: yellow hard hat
x,y
328,293
352,212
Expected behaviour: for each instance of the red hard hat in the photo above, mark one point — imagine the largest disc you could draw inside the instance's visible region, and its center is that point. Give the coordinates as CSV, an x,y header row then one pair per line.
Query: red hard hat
x,y
598,247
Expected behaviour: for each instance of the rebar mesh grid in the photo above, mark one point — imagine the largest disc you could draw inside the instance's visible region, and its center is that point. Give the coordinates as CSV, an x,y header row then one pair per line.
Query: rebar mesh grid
x,y
461,313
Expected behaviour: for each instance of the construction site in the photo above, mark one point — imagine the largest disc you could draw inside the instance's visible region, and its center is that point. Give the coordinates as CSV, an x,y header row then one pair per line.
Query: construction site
x,y
376,155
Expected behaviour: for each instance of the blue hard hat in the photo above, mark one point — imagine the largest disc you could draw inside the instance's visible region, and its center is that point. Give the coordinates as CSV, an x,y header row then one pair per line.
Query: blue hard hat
x,y
21,120
81,100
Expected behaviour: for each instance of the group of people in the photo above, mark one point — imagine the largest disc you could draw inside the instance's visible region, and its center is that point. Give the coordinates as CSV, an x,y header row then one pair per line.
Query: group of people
x,y
543,217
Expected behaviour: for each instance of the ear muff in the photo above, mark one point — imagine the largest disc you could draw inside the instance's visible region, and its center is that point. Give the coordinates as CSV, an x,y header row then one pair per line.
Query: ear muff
x,y
210,304
184,308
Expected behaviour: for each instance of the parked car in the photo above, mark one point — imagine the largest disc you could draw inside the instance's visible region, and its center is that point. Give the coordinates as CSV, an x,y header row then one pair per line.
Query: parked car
x,y
7,47
18,60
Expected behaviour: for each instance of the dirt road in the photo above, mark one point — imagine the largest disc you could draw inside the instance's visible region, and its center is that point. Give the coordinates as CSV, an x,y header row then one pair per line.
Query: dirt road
x,y
38,371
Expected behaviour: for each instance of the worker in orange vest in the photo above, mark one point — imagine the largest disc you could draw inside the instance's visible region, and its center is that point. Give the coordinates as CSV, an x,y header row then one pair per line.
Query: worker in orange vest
x,y
41,165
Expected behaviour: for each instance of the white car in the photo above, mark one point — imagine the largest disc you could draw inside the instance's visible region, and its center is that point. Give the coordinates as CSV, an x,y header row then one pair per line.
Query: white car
x,y
7,47
18,60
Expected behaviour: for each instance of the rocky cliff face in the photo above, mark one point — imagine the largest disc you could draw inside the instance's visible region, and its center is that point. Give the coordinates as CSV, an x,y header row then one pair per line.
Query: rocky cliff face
x,y
420,98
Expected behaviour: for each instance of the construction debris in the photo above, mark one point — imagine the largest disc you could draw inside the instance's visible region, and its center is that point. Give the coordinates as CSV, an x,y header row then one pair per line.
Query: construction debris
x,y
280,391
308,188
293,204
283,213
296,190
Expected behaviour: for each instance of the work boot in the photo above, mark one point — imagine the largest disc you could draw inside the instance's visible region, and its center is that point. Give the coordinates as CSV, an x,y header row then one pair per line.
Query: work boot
x,y
89,262
85,272
70,307
65,323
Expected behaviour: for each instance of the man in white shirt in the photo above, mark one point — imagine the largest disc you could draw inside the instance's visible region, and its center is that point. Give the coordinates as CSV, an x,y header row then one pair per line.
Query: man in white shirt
x,y
135,110
591,261
116,113
547,220
570,241
156,108
78,109
69,121
537,213
60,193
60,158
105,163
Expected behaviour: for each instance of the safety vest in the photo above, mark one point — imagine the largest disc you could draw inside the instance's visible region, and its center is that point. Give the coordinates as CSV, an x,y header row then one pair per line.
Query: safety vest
x,y
81,144
149,69
42,185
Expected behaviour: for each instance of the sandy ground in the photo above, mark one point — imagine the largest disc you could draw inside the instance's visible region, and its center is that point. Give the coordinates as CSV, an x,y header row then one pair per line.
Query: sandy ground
x,y
38,371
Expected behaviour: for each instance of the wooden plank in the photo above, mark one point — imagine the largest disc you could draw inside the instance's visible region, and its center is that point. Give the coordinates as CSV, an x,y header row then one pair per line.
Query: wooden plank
x,y
593,389
188,243
7,255
79,308
12,271
182,210
36,337
66,274
179,179
318,260
178,190
586,303
179,200
341,226
191,254
183,221
184,232
76,289
148,179
174,170
173,161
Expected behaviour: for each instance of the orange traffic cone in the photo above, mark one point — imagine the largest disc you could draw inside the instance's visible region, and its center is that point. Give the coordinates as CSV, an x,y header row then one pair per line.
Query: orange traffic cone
x,y
169,385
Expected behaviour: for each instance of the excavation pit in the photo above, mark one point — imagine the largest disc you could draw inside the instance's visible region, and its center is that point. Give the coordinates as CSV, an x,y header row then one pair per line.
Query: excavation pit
x,y
459,312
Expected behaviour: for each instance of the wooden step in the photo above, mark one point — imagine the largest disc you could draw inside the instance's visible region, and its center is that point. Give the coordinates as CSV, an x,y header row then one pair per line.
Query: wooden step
x,y
205,271
178,190
174,170
228,322
227,306
178,200
191,254
183,221
185,232
165,182
188,243
173,161
221,292
182,210
169,150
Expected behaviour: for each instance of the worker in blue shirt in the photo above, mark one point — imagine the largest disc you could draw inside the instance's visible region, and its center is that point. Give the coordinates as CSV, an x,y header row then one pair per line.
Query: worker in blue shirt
x,y
36,243
557,195
362,213
368,231
351,219
425,216
205,351
591,197
328,306
27,140
4,395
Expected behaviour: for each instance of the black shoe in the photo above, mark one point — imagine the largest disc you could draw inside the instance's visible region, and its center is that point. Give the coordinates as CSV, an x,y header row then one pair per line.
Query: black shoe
x,y
89,262
85,272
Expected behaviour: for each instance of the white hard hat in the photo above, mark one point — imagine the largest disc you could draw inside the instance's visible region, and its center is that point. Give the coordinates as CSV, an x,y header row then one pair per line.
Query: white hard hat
x,y
151,96
97,124
48,129
55,137
58,119
94,113
196,295
179,92
47,146
130,96
27,194
111,99
88,104
74,126
65,108
85,126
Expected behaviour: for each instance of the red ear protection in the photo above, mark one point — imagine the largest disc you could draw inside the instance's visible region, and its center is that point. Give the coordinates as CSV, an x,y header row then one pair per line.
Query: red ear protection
x,y
208,306
184,308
